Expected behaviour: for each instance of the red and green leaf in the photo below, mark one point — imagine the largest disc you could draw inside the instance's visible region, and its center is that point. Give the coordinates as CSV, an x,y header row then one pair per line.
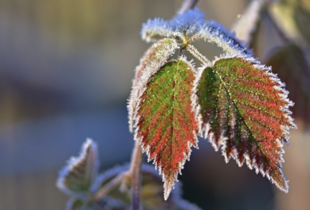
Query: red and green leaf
x,y
244,108
166,123
155,57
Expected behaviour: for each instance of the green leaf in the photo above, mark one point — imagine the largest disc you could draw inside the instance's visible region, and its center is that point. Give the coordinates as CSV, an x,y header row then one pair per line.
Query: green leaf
x,y
244,108
166,123
77,177
291,65
154,58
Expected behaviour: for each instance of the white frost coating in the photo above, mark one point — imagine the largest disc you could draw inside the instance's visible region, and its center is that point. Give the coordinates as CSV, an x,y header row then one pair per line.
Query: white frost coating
x,y
189,27
196,106
169,182
214,32
283,95
154,58
192,26
88,154
205,127
278,86
158,28
194,98
188,22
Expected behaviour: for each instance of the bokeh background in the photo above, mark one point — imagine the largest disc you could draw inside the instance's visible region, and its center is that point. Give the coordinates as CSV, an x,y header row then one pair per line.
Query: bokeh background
x,y
65,74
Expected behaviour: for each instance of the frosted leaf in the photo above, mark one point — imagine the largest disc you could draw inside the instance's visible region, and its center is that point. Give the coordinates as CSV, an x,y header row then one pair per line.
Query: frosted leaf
x,y
155,57
166,123
214,32
191,26
76,178
245,107
188,22
158,28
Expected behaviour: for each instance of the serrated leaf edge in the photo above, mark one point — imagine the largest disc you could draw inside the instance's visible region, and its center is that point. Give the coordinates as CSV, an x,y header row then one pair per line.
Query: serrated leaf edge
x,y
168,186
285,129
72,162
216,33
147,72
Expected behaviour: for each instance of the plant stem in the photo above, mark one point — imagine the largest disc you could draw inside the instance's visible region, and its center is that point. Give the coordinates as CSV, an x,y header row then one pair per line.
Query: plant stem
x,y
198,55
109,186
135,172
187,4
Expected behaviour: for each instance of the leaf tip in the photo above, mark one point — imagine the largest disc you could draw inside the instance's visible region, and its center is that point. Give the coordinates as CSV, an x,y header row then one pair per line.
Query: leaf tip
x,y
80,171
280,181
169,183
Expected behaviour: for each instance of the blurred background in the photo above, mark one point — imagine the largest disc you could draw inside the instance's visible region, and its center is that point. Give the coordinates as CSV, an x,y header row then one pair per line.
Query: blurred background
x,y
65,74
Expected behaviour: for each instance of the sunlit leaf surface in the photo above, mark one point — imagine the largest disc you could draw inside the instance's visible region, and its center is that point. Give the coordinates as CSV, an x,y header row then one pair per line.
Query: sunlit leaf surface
x,y
245,109
166,123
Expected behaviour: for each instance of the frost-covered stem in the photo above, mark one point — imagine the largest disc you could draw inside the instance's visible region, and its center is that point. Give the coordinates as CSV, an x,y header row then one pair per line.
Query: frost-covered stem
x,y
109,186
135,171
187,4
246,24
198,55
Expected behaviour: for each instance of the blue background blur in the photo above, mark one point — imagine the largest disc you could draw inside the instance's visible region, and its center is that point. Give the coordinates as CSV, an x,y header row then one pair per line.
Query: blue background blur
x,y
65,74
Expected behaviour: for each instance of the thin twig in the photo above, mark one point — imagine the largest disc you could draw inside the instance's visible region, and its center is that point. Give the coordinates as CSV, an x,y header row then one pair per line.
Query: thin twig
x,y
135,171
187,4
198,55
109,186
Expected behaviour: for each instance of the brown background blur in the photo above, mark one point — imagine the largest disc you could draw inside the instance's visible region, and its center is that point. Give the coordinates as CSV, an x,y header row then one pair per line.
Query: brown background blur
x,y
65,74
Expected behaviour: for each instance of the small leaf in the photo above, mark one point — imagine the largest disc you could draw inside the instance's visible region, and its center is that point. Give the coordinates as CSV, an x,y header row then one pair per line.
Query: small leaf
x,y
244,108
166,123
290,63
189,22
191,26
78,176
155,57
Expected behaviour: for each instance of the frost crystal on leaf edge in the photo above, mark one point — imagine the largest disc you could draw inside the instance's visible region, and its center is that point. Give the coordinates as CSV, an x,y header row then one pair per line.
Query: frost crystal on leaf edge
x,y
91,147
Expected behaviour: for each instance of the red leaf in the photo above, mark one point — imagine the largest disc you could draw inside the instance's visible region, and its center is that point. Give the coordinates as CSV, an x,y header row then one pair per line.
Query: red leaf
x,y
166,123
155,57
244,109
